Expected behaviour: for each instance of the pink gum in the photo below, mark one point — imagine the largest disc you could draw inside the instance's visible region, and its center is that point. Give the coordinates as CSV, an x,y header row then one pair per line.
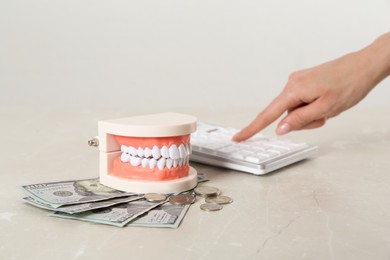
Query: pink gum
x,y
151,141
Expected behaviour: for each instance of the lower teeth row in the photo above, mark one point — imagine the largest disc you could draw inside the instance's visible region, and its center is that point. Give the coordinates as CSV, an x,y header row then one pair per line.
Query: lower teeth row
x,y
152,163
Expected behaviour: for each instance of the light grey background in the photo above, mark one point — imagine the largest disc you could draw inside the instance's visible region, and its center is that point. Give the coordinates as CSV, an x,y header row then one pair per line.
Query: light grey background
x,y
174,53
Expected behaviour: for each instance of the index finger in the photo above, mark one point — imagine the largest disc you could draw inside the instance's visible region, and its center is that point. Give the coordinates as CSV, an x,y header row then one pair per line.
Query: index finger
x,y
272,112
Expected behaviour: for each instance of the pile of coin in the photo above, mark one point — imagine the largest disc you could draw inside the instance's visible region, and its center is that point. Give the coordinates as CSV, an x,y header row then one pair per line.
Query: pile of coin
x,y
177,199
213,199
211,195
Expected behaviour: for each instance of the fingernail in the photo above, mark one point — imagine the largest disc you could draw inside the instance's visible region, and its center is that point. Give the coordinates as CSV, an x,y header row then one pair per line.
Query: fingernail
x,y
283,129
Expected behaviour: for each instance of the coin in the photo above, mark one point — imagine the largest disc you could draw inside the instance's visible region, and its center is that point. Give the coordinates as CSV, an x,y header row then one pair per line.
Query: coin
x,y
155,197
210,207
205,191
219,200
182,199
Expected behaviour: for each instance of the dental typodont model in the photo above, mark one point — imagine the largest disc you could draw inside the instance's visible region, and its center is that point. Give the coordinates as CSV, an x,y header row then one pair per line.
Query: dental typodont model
x,y
147,153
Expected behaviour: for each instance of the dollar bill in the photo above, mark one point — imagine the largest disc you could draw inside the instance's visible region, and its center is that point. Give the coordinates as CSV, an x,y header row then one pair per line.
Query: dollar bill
x,y
164,216
118,215
76,208
202,177
88,200
57,194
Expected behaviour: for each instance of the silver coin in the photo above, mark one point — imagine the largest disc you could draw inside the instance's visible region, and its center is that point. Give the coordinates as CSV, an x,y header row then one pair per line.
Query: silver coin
x,y
219,200
210,207
182,199
206,191
155,197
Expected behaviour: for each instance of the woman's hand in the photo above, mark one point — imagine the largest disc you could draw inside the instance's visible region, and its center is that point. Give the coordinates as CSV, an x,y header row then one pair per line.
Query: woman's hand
x,y
314,95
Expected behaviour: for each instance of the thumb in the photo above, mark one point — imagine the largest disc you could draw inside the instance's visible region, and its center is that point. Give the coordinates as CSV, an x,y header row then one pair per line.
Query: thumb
x,y
310,116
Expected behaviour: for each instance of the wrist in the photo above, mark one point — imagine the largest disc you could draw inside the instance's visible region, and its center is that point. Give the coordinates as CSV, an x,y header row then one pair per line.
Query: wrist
x,y
377,58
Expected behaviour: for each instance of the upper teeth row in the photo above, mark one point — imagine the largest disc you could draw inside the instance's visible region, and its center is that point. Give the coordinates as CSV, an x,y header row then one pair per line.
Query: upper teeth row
x,y
173,152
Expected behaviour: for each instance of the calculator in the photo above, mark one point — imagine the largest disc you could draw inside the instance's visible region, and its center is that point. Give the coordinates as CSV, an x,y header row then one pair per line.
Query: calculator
x,y
261,154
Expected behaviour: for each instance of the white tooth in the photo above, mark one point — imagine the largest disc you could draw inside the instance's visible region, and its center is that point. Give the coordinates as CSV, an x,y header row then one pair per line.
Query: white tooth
x,y
152,163
181,162
165,152
187,160
132,151
124,149
148,152
169,163
175,163
145,162
156,152
135,161
189,148
161,163
140,152
125,157
174,152
182,151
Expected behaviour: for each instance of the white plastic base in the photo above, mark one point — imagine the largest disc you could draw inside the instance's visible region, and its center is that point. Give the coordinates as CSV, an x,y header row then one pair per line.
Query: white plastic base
x,y
135,186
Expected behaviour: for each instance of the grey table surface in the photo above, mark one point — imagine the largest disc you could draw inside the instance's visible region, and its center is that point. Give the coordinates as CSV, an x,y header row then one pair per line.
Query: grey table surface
x,y
336,206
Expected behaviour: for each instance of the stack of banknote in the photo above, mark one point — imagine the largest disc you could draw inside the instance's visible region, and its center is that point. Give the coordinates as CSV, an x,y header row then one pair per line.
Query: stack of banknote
x,y
88,200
